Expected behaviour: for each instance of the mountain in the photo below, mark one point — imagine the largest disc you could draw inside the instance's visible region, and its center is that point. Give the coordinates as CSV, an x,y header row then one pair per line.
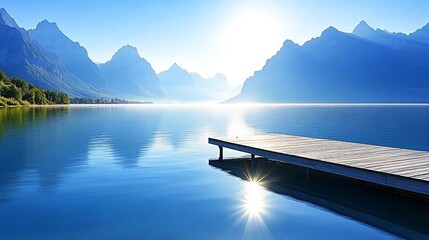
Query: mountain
x,y
7,20
398,41
129,75
72,55
176,77
180,85
217,83
364,30
22,57
421,35
215,88
364,66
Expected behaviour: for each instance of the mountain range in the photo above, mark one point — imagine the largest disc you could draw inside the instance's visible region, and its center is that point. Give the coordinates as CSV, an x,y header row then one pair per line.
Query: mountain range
x,y
47,58
181,86
22,57
367,65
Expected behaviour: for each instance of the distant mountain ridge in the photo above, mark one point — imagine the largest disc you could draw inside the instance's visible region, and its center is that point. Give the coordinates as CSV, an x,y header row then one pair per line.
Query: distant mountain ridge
x,y
72,55
47,58
20,56
421,35
183,86
366,65
128,74
7,20
178,84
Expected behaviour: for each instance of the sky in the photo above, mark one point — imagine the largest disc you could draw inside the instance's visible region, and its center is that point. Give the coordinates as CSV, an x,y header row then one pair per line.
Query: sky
x,y
234,37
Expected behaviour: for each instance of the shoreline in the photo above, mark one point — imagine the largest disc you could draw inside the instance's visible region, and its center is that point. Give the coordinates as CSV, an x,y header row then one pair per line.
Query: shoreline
x,y
237,104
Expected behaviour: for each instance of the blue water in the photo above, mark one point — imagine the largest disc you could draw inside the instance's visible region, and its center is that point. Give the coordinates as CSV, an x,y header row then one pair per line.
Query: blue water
x,y
141,172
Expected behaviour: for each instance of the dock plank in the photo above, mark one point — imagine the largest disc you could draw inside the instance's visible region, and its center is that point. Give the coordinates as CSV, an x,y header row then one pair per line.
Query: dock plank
x,y
394,167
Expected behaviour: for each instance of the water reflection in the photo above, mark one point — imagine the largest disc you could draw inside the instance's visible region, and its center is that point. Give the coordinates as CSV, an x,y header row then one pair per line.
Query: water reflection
x,y
254,207
117,165
255,202
53,141
398,214
22,117
18,149
130,133
50,140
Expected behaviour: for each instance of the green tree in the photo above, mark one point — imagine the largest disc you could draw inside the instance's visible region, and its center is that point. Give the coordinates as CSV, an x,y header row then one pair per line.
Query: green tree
x,y
39,97
16,91
23,85
2,76
2,88
30,96
13,92
64,98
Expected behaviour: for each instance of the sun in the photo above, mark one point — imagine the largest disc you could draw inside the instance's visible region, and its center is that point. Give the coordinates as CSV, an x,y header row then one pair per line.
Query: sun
x,y
250,38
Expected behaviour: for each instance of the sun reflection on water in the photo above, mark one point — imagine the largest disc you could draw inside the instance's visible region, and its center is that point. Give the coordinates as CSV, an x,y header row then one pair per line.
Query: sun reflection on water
x,y
254,200
254,209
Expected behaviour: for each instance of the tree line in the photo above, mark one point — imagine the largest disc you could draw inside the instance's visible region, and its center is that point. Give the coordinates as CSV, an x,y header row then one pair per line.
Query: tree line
x,y
16,92
77,100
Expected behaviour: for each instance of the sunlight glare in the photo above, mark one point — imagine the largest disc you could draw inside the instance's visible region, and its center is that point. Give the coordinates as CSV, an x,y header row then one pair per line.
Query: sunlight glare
x,y
237,127
254,200
253,210
251,39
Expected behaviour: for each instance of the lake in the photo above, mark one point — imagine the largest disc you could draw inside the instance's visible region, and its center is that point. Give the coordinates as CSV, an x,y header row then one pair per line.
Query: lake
x,y
142,172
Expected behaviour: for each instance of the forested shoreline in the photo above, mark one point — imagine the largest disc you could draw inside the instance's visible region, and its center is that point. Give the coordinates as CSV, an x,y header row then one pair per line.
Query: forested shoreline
x,y
78,100
18,92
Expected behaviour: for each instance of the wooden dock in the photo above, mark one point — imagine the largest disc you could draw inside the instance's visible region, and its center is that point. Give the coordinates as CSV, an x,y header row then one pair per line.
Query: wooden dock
x,y
402,169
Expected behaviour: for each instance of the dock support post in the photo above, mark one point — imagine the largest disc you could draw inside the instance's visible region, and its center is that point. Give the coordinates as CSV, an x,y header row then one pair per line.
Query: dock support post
x,y
252,163
220,153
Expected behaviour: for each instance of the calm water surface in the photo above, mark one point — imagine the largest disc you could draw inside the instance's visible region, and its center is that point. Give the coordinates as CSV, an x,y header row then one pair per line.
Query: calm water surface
x,y
141,172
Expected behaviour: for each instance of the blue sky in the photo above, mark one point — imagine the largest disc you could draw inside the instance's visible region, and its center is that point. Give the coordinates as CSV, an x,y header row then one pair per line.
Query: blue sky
x,y
234,37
